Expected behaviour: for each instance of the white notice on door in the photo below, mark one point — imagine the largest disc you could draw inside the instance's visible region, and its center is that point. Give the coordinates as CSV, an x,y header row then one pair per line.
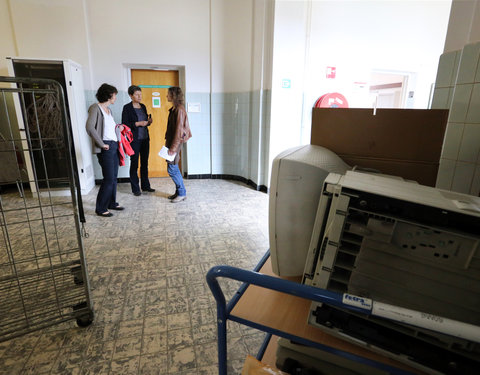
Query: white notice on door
x,y
156,102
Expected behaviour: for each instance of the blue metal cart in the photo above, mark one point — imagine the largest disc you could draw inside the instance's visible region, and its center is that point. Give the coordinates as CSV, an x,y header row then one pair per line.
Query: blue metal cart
x,y
224,311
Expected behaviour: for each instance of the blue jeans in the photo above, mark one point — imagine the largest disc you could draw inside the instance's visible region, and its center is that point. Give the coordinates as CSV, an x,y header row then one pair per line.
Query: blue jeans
x,y
142,149
108,160
176,175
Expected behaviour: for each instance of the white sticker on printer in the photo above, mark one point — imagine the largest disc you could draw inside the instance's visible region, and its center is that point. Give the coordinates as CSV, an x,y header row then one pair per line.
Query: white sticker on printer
x,y
362,302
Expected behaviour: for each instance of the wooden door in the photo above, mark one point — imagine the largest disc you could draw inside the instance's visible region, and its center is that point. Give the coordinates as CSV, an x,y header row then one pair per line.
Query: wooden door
x,y
154,85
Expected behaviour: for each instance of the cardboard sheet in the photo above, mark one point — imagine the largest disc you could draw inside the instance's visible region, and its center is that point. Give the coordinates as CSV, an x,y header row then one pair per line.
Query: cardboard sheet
x,y
401,142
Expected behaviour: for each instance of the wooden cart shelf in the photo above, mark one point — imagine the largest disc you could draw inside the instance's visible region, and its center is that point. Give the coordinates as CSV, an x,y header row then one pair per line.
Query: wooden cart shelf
x,y
282,313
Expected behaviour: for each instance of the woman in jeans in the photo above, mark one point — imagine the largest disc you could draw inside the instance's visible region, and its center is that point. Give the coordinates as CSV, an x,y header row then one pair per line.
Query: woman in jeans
x,y
105,134
178,132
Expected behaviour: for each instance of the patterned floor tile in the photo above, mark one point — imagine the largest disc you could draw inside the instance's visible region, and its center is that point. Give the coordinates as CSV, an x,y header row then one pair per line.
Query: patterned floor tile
x,y
130,328
208,370
235,366
40,362
182,359
206,354
177,305
103,332
153,364
179,338
236,348
154,324
156,309
99,351
97,368
154,313
254,341
127,347
203,317
204,334
154,343
180,320
125,366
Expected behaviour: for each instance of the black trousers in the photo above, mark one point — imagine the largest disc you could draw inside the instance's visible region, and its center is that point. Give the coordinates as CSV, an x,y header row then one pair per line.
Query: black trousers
x,y
108,160
142,149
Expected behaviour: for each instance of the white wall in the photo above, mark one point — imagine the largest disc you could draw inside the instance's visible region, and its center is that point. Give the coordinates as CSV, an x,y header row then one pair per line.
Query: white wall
x,y
263,20
232,23
403,36
7,41
157,32
262,39
212,39
51,29
289,46
356,37
102,36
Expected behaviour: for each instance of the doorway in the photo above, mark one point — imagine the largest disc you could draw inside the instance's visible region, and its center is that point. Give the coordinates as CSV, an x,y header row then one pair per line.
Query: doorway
x,y
388,89
154,85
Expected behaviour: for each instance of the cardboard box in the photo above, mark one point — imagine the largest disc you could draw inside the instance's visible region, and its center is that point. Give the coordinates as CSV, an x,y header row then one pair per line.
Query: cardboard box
x,y
401,142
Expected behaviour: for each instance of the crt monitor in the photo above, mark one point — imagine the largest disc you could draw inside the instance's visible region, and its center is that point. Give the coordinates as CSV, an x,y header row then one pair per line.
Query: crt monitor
x,y
297,178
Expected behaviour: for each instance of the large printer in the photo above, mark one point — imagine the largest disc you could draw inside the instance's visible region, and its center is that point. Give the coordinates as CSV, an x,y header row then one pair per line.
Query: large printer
x,y
405,244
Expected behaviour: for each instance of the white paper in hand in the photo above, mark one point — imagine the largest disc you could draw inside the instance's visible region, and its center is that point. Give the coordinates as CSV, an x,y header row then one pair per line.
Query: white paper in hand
x,y
164,154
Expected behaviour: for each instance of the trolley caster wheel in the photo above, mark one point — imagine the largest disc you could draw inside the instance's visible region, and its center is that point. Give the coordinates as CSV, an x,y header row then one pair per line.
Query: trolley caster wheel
x,y
77,275
84,322
83,315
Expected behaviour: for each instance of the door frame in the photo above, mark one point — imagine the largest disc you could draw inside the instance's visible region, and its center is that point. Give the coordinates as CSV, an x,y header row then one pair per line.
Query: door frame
x,y
181,82
180,68
408,85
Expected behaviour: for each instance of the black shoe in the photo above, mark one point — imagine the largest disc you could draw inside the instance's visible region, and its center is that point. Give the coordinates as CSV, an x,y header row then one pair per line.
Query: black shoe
x,y
118,208
150,190
104,214
137,193
173,196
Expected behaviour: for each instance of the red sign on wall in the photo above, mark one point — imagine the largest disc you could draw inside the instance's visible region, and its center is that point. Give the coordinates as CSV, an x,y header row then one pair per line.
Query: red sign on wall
x,y
331,72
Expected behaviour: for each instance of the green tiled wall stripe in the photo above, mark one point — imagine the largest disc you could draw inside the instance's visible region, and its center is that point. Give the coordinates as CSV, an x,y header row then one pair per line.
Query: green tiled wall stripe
x,y
154,86
225,134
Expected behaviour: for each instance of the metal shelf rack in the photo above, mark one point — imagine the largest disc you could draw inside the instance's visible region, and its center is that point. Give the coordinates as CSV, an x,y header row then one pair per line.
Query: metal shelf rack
x,y
43,271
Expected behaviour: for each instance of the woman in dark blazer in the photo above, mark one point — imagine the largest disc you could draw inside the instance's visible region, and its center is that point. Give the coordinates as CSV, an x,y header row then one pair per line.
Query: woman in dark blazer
x,y
135,116
105,134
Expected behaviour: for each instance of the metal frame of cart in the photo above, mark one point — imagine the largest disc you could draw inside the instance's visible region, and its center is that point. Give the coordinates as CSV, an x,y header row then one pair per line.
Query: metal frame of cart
x,y
224,312
43,272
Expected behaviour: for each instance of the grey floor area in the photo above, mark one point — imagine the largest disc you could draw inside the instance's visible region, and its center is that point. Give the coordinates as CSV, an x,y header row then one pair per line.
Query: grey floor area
x,y
154,313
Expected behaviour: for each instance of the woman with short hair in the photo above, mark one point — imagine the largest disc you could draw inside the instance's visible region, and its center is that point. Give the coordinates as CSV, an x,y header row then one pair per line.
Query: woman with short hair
x,y
105,134
135,116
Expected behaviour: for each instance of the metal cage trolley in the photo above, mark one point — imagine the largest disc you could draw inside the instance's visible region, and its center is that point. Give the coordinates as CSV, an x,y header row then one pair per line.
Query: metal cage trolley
x,y
43,272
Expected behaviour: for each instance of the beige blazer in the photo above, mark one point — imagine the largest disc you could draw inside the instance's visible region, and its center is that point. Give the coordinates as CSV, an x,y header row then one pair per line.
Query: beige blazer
x,y
95,125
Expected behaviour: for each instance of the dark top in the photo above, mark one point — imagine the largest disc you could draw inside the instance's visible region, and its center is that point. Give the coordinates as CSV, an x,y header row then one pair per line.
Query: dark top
x,y
171,127
142,130
129,118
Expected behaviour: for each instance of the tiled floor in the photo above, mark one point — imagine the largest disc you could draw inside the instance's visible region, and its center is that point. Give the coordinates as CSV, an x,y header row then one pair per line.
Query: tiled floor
x,y
154,313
